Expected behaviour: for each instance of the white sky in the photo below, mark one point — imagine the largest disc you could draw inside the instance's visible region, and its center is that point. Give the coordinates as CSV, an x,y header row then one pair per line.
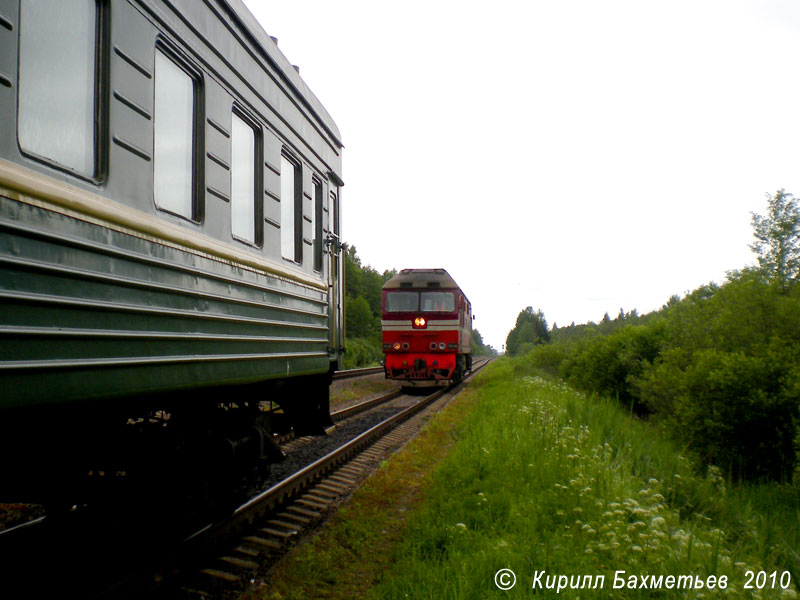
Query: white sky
x,y
576,156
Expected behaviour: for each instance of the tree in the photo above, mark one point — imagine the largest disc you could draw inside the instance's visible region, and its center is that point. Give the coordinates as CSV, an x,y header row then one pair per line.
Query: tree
x,y
362,310
359,320
529,330
777,245
363,281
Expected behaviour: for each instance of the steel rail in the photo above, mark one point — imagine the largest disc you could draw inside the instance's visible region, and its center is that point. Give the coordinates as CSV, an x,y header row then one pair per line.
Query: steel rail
x,y
347,373
349,411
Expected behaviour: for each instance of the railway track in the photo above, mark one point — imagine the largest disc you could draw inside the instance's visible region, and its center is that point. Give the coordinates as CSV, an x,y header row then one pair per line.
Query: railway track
x,y
257,532
348,373
266,525
261,529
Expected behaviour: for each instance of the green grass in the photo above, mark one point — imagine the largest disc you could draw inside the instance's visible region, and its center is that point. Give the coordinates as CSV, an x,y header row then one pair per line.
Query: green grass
x,y
356,547
347,391
545,478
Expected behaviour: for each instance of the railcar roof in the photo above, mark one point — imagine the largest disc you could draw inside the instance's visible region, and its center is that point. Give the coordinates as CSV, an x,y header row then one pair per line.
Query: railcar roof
x,y
277,57
421,278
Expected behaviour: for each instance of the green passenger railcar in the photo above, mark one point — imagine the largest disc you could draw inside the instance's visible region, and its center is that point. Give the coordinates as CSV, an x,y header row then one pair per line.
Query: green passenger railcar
x,y
169,238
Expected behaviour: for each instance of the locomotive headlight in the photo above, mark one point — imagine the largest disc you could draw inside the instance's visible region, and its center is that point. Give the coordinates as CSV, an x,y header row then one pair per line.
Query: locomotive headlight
x,y
442,345
419,322
405,345
433,345
396,346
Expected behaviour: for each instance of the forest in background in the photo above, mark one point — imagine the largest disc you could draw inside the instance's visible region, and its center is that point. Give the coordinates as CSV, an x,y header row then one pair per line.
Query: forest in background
x,y
718,370
362,313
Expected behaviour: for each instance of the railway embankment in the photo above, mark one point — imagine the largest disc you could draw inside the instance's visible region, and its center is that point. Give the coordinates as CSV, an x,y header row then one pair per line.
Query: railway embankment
x,y
523,479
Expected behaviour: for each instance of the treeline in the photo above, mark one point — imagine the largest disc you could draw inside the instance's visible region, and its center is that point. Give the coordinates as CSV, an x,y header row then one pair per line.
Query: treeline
x,y
719,370
362,311
362,314
479,348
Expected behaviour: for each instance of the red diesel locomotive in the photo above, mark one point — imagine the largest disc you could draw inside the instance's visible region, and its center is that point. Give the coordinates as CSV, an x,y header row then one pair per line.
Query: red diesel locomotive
x,y
427,328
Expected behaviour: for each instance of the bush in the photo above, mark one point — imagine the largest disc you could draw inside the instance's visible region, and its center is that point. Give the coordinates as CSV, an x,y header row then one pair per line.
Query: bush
x,y
611,363
362,352
727,382
551,357
719,369
736,411
606,364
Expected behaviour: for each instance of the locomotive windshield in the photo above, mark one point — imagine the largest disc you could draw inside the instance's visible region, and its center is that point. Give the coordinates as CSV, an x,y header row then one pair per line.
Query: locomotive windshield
x,y
424,301
437,302
402,302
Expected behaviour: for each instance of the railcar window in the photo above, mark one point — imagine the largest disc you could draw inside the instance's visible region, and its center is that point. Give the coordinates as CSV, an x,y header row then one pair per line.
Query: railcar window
x,y
291,197
335,212
243,180
316,224
57,82
437,302
174,137
402,301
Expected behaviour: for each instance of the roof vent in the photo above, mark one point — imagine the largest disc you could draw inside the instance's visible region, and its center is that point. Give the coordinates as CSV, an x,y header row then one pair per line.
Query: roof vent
x,y
274,39
406,284
296,68
434,284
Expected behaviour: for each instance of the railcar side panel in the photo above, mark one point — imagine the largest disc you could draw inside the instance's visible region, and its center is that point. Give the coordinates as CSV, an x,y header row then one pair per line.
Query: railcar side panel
x,y
135,317
146,290
102,293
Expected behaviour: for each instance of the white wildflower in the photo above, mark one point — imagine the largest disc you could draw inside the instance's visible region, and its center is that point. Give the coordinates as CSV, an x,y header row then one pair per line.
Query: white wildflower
x,y
658,523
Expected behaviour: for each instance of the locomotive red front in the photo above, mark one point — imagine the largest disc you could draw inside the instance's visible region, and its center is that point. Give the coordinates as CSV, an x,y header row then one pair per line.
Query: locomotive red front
x,y
427,327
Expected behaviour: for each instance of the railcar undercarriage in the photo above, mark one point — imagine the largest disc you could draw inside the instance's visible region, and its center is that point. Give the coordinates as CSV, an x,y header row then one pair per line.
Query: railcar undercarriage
x,y
200,443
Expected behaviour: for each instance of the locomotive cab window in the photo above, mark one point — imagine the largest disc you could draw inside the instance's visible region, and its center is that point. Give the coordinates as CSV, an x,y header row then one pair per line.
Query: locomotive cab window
x,y
174,124
437,302
402,301
58,71
244,207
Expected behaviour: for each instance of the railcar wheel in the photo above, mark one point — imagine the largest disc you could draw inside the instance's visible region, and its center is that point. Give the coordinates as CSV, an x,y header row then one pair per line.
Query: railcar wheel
x,y
461,368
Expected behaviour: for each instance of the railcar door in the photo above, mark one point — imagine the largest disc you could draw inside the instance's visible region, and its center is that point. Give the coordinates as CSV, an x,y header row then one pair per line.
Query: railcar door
x,y
335,278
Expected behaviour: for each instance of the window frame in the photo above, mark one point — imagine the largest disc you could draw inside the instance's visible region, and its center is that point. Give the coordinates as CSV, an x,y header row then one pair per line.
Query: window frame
x,y
317,195
101,79
298,208
258,172
185,63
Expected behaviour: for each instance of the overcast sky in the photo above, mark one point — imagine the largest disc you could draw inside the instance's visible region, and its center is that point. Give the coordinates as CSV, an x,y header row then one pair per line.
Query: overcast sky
x,y
574,156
